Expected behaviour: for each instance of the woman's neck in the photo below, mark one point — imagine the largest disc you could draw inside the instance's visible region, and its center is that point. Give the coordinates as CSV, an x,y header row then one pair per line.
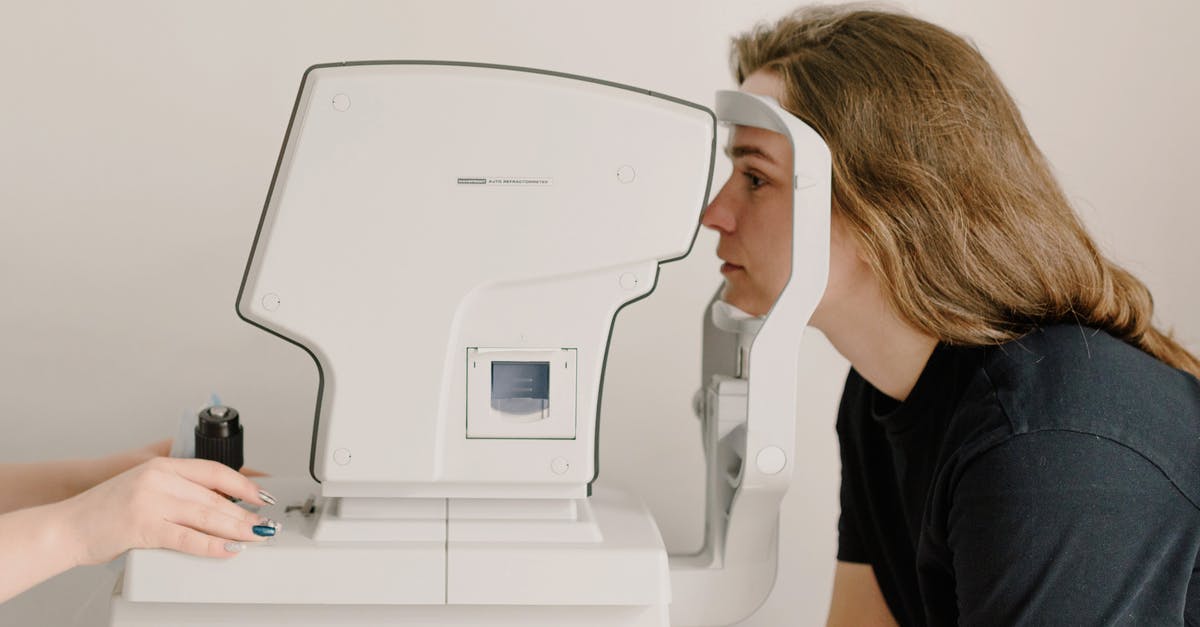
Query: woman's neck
x,y
889,353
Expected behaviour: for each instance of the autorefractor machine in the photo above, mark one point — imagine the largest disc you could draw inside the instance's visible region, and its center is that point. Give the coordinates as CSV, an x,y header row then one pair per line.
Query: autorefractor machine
x,y
451,243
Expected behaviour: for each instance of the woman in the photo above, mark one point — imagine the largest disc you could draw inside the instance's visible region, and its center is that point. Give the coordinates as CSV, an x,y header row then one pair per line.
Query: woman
x,y
1019,444
58,515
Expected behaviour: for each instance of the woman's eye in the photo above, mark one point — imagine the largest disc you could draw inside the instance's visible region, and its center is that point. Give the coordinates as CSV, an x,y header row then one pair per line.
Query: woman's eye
x,y
753,180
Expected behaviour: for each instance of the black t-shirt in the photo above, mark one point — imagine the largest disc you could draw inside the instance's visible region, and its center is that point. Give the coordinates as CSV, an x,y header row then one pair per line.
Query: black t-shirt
x,y
1052,480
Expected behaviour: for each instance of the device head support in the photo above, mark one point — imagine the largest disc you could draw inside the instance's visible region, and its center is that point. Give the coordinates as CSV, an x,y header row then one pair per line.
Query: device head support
x,y
775,350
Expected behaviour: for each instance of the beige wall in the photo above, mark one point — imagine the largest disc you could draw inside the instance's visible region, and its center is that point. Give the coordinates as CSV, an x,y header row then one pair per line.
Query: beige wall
x,y
137,140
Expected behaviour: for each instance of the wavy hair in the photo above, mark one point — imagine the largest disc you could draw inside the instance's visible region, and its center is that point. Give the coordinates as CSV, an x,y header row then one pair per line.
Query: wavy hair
x,y
954,206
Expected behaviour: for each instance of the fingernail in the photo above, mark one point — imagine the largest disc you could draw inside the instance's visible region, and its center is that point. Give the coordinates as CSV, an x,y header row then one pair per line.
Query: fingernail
x,y
235,547
263,530
266,497
271,523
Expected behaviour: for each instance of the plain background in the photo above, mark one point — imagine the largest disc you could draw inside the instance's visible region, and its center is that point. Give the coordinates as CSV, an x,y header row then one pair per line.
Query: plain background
x,y
137,140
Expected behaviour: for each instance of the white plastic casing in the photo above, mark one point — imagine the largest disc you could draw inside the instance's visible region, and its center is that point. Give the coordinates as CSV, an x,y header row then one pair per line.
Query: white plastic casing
x,y
423,209
750,465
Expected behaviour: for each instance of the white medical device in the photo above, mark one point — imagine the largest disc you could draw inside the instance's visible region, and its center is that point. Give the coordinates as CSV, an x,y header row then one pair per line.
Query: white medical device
x,y
451,243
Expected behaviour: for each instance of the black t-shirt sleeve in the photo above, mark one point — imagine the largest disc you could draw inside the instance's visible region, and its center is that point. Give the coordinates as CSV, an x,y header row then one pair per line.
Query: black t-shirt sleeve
x,y
1061,527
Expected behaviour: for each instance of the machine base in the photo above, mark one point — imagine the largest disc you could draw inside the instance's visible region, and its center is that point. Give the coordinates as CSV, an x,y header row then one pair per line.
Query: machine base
x,y
456,578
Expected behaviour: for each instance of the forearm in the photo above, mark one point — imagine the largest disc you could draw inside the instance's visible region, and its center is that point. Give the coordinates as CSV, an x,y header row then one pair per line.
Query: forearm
x,y
41,483
35,544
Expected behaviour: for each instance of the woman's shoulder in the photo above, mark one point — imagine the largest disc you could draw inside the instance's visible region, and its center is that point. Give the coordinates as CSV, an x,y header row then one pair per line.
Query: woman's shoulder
x,y
1083,380
1068,366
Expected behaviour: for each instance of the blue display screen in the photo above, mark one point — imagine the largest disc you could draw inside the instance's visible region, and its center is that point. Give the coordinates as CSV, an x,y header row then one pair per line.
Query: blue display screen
x,y
520,379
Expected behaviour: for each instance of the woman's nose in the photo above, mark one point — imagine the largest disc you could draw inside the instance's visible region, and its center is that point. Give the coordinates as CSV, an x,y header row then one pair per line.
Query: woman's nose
x,y
718,216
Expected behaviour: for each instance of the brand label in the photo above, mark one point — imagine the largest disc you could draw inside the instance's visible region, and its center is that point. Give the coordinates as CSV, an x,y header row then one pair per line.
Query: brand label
x,y
507,181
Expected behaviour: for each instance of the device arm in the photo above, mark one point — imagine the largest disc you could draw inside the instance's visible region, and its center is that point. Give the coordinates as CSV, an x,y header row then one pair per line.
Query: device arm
x,y
749,467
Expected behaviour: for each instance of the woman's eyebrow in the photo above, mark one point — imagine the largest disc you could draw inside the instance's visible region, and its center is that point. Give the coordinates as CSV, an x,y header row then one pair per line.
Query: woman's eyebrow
x,y
746,150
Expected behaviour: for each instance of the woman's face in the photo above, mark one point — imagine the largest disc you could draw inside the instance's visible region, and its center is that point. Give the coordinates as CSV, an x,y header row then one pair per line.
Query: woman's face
x,y
753,215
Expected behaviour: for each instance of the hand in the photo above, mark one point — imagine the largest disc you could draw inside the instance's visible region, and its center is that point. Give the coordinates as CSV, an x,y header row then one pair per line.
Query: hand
x,y
162,503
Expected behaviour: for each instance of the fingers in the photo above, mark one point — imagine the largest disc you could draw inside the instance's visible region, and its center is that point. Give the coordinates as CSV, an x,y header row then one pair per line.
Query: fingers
x,y
213,521
199,495
218,477
168,535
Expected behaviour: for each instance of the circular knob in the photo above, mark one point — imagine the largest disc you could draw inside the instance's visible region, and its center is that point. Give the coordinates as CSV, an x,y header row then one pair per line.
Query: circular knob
x,y
771,460
219,436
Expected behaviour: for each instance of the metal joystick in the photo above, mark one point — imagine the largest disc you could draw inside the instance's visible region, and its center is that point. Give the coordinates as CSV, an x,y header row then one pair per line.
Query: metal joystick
x,y
219,436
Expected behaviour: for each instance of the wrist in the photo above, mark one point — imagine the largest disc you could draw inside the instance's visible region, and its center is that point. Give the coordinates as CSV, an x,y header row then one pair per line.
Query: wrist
x,y
58,535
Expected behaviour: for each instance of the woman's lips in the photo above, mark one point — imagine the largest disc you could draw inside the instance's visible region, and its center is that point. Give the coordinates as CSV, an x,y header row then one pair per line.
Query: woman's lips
x,y
727,267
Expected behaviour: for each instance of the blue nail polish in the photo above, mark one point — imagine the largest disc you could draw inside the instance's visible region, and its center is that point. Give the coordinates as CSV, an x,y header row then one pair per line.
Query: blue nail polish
x,y
264,530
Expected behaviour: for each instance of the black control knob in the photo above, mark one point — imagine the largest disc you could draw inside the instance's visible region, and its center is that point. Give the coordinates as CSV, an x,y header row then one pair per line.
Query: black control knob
x,y
219,436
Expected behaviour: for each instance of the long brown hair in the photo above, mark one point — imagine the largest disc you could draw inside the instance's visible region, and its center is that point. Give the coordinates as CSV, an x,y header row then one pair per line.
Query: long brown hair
x,y
955,209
